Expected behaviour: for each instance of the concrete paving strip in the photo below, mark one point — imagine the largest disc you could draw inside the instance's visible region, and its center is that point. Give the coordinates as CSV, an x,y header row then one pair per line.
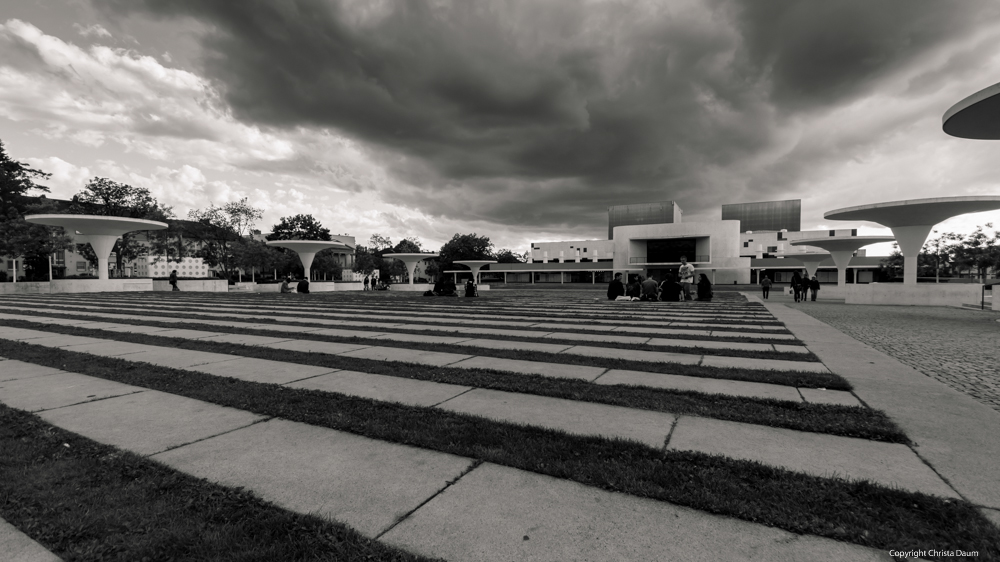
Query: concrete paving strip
x,y
889,464
519,366
315,346
362,482
107,348
760,336
380,387
149,422
634,355
59,390
497,513
763,364
584,327
189,334
609,338
954,433
127,328
700,384
19,547
176,358
418,338
261,370
835,397
435,358
515,345
581,418
12,370
694,344
242,339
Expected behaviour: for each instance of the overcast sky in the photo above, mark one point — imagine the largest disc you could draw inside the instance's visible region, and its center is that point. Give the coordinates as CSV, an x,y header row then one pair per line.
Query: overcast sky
x,y
520,120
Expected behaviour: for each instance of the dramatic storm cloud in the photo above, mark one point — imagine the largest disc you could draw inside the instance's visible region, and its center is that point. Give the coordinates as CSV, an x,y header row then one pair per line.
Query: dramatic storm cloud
x,y
527,119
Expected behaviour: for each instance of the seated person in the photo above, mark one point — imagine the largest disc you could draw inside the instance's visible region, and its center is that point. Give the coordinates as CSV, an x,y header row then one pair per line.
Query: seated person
x,y
704,288
633,290
670,289
303,286
649,289
470,289
285,288
449,289
437,290
616,288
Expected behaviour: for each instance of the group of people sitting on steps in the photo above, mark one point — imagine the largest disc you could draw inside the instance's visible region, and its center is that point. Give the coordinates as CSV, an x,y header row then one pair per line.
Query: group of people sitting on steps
x,y
444,288
670,290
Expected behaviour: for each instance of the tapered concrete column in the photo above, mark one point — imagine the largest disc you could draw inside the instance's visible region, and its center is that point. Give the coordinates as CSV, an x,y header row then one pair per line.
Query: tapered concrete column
x,y
306,250
99,231
410,261
810,262
475,266
841,249
911,239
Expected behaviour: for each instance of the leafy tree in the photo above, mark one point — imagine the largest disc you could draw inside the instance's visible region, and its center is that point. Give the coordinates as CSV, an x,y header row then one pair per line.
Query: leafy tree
x,y
365,261
433,269
102,196
979,251
299,227
16,180
34,243
255,255
407,246
326,262
220,228
507,256
379,244
465,247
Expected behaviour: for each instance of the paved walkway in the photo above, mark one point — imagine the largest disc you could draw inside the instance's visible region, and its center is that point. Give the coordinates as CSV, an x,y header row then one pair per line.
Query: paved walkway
x,y
958,347
15,546
456,508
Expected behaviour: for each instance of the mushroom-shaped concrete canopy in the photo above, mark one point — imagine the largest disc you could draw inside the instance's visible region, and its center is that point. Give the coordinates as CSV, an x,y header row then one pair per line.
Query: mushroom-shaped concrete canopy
x,y
842,249
100,231
475,266
307,249
975,117
912,220
810,261
410,261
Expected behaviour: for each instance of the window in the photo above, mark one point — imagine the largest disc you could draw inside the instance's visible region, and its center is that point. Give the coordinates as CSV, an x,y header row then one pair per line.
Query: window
x,y
585,250
81,266
746,244
854,232
833,233
772,249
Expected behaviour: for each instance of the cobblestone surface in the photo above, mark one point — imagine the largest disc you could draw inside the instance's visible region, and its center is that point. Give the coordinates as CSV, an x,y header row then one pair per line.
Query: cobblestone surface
x,y
960,348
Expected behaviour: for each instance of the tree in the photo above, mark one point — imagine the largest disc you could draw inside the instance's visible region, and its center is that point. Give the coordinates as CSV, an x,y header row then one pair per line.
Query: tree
x,y
979,251
16,180
34,243
508,256
379,244
299,227
365,261
102,196
326,263
220,228
407,246
465,247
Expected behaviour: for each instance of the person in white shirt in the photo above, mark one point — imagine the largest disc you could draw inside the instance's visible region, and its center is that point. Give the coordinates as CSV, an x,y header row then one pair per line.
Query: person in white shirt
x,y
686,275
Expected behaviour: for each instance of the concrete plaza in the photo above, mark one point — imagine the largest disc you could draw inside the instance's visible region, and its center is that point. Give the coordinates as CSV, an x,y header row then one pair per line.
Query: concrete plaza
x,y
460,509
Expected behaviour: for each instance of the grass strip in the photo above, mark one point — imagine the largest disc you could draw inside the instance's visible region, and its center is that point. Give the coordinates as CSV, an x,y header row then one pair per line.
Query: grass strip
x,y
858,512
799,379
531,355
86,501
339,314
452,348
848,421
737,337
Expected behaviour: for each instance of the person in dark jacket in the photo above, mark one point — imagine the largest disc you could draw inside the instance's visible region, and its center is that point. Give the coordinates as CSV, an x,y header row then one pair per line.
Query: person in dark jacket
x,y
650,290
704,288
670,289
814,286
303,286
765,285
797,286
616,288
173,280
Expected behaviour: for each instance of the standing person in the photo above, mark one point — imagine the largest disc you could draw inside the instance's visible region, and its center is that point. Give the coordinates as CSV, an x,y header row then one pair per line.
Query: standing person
x,y
173,280
814,286
366,282
765,286
670,290
616,288
796,286
686,274
704,288
649,290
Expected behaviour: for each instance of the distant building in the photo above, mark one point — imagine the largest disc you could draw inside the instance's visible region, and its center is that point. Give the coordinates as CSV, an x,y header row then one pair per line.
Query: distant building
x,y
663,212
160,266
765,215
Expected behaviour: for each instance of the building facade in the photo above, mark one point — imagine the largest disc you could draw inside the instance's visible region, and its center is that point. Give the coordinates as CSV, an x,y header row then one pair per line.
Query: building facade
x,y
766,215
662,212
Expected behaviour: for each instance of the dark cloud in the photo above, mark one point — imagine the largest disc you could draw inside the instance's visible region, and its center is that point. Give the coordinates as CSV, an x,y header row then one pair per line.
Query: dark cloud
x,y
543,114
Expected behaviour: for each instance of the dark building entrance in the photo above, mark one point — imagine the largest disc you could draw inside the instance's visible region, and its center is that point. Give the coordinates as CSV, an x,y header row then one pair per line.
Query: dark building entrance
x,y
670,250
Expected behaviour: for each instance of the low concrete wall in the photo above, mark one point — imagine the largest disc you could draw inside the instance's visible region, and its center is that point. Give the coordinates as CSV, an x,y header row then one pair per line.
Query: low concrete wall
x,y
350,286
194,285
921,294
243,288
77,286
25,288
322,286
420,287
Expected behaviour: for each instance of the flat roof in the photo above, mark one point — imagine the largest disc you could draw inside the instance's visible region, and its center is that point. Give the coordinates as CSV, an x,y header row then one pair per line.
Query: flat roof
x,y
96,225
975,117
842,243
916,212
